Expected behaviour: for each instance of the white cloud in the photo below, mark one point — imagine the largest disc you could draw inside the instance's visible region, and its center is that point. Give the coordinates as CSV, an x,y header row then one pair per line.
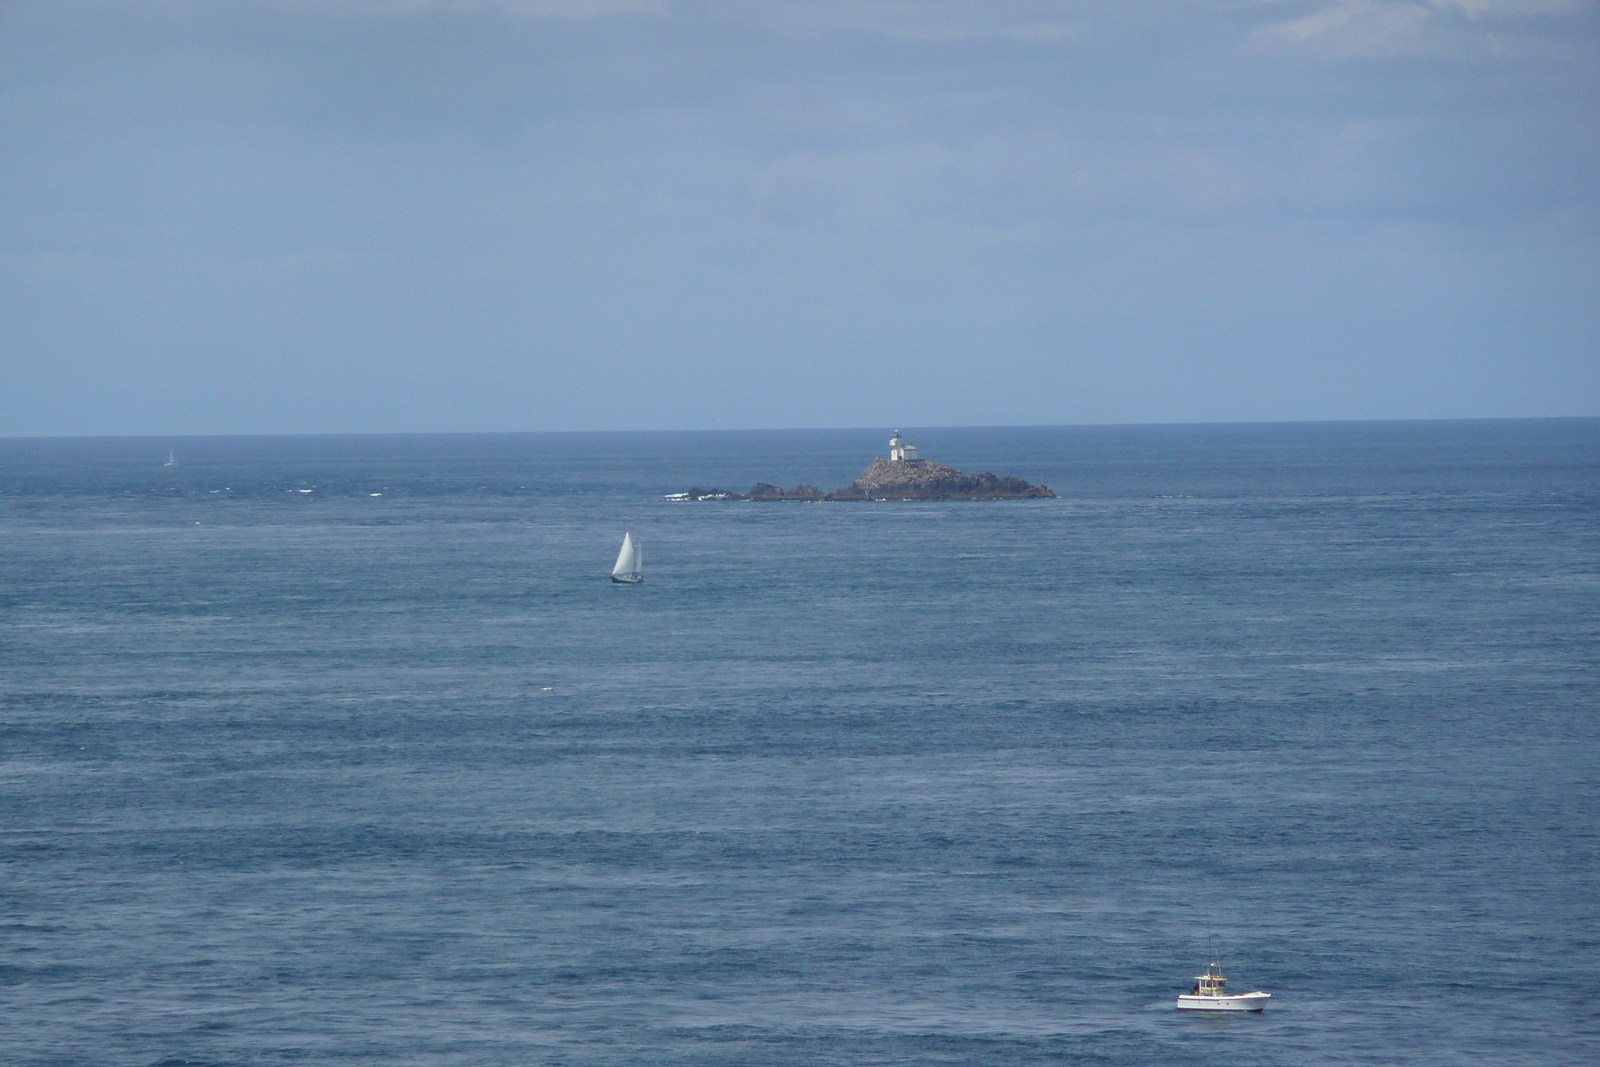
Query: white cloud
x,y
1348,29
1353,28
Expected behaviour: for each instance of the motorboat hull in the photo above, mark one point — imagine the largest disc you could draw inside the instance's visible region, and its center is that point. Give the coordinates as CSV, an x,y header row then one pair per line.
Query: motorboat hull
x,y
1227,1002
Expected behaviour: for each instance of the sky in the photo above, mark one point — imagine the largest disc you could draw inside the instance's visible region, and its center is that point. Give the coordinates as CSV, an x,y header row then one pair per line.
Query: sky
x,y
351,216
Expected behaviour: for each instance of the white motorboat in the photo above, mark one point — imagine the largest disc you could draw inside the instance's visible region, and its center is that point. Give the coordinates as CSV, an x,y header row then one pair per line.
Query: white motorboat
x,y
1209,993
630,562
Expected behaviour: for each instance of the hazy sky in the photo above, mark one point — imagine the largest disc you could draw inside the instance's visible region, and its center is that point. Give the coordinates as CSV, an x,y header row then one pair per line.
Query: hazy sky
x,y
393,215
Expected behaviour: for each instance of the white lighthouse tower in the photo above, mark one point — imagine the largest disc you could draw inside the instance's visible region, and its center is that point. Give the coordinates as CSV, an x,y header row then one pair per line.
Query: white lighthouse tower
x,y
901,453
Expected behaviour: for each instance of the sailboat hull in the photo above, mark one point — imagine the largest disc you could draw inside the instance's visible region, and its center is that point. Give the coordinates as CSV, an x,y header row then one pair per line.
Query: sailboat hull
x,y
627,579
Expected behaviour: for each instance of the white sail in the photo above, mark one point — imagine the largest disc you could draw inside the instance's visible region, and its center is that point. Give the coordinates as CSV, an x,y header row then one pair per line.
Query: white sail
x,y
625,558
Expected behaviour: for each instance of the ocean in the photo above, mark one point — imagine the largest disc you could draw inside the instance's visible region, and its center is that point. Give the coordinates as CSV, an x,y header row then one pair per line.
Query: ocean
x,y
320,750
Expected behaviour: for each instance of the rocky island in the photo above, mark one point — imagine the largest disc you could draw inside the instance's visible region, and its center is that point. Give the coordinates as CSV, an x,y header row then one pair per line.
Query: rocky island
x,y
900,477
921,479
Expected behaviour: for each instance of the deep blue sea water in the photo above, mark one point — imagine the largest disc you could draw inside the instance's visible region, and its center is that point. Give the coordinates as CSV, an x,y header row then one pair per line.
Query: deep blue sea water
x,y
331,777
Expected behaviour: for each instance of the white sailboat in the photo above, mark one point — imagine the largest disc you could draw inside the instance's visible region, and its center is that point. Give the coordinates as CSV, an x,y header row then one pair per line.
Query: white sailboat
x,y
630,562
172,459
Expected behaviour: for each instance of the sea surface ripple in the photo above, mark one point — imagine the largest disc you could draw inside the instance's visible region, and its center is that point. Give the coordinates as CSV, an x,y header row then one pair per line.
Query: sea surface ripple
x,y
345,750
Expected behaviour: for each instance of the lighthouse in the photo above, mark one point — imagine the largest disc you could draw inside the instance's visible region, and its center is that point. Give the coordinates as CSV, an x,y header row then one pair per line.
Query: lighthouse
x,y
901,453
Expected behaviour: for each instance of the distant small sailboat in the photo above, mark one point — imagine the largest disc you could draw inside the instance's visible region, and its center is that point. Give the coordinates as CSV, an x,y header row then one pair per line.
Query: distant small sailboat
x,y
630,562
172,459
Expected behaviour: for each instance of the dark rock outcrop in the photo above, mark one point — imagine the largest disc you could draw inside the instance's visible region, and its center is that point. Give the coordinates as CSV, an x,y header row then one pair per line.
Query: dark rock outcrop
x,y
765,491
920,479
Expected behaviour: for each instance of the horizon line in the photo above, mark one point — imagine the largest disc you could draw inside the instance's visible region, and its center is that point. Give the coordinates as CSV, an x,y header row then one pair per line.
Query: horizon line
x,y
799,429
